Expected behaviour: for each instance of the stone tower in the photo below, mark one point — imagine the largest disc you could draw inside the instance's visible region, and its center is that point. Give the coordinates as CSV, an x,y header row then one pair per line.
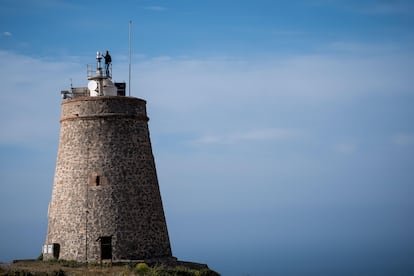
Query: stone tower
x,y
106,202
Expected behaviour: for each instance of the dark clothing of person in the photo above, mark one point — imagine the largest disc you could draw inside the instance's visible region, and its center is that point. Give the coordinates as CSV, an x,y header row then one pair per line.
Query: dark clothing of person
x,y
108,61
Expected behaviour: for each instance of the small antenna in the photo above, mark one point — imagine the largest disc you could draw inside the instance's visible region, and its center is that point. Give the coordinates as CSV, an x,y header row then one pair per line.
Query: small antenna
x,y
129,44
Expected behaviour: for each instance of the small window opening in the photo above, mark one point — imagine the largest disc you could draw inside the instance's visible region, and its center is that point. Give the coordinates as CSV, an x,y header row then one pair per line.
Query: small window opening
x,y
97,180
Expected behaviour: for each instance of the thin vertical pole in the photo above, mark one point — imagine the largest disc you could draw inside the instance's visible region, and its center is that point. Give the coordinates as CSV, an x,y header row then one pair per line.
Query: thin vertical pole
x,y
129,43
86,234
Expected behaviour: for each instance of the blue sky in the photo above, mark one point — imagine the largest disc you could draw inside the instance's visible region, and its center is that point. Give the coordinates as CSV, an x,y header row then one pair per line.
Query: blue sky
x,y
282,130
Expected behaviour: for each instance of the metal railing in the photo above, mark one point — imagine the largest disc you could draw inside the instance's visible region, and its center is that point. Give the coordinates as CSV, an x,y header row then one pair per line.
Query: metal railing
x,y
106,72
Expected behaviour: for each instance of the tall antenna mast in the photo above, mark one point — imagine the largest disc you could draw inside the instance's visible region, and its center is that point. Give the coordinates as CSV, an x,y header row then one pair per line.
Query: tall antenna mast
x,y
129,43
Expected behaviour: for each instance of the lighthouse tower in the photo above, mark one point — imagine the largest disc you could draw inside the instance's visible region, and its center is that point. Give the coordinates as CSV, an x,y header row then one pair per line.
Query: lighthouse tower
x,y
106,202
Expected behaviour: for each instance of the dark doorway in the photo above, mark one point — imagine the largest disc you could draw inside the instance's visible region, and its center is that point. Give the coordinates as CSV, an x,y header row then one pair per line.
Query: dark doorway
x,y
106,247
56,250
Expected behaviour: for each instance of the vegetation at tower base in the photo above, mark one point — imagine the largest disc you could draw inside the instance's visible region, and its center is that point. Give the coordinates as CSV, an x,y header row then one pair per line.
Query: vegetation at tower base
x,y
62,268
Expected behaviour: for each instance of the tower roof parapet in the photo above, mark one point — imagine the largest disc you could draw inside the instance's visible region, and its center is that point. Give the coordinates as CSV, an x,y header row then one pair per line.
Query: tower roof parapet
x,y
104,107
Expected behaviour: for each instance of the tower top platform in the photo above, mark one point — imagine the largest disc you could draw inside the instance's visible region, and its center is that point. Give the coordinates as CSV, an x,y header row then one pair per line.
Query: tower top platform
x,y
99,81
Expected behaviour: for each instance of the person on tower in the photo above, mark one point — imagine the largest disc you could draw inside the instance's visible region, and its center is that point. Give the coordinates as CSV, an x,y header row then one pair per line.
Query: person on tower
x,y
108,61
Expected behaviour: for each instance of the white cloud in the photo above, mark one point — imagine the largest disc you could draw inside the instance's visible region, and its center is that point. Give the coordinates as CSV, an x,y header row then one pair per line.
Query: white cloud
x,y
7,34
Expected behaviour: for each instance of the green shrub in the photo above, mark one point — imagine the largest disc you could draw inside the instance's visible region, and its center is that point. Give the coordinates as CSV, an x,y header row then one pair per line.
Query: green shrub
x,y
142,269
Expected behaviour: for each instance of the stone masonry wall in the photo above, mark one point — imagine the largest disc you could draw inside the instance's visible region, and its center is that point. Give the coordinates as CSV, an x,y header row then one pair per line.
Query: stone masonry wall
x,y
106,183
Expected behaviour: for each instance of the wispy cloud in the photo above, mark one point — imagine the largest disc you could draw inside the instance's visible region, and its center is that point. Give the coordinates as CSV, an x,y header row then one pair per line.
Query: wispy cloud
x,y
239,83
7,34
346,148
290,32
162,58
221,100
26,112
361,48
385,7
403,139
257,135
373,7
155,8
